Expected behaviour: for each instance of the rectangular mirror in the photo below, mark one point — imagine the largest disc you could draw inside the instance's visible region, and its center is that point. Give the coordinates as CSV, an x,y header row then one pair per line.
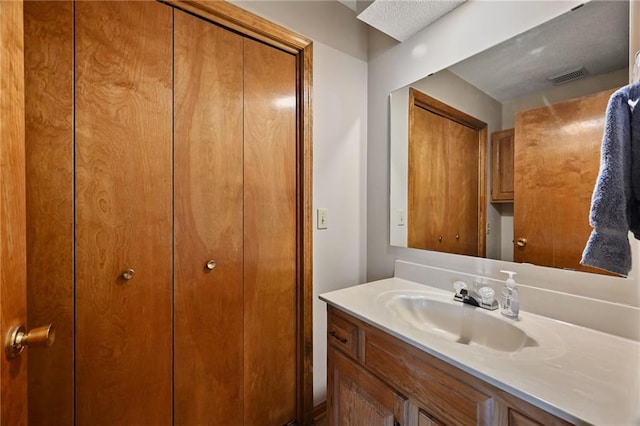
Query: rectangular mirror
x,y
541,97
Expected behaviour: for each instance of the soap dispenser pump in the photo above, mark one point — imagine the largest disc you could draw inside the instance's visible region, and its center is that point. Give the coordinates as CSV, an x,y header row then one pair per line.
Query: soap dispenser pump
x,y
510,299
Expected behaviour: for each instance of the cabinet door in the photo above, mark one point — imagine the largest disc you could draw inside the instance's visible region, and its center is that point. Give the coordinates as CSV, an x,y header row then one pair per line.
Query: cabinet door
x,y
208,303
557,158
123,104
502,166
427,197
357,398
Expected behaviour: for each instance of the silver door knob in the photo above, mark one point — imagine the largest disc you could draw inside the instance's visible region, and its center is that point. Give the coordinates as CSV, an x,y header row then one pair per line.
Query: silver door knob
x,y
18,339
210,264
521,242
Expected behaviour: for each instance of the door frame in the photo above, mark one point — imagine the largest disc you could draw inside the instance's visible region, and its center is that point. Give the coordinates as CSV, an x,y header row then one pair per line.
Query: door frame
x,y
248,24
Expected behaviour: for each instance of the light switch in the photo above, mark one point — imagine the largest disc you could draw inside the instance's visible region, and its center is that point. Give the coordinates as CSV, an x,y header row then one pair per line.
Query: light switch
x,y
401,218
323,218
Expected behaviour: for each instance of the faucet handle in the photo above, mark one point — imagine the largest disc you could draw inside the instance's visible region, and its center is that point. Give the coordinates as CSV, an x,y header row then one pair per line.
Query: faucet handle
x,y
458,286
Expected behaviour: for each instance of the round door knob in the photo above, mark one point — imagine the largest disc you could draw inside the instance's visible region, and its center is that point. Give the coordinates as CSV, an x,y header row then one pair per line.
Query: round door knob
x,y
18,339
457,236
210,264
440,239
521,242
128,274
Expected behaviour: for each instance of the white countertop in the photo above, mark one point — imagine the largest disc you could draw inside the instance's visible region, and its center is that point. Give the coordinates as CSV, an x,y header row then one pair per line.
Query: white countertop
x,y
576,373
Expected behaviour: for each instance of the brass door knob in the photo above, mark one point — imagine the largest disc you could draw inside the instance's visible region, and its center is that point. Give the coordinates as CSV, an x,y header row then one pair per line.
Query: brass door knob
x,y
440,238
128,274
210,264
17,339
521,242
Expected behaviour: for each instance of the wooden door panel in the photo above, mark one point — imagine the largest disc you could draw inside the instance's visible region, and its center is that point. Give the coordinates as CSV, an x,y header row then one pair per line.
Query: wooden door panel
x,y
557,157
13,270
270,222
123,212
427,204
463,214
49,188
208,222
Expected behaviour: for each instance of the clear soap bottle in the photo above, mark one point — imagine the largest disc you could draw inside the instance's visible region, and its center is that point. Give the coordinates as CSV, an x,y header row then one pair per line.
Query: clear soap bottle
x,y
510,300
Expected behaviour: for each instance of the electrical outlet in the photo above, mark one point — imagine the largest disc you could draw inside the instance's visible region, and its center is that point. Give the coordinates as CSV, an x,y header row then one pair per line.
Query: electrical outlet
x,y
323,218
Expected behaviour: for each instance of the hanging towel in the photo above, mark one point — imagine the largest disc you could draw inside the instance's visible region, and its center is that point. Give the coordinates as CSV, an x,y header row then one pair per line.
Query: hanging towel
x,y
614,208
634,106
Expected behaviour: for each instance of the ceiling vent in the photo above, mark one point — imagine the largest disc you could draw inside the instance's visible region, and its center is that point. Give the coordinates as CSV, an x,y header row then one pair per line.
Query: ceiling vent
x,y
567,76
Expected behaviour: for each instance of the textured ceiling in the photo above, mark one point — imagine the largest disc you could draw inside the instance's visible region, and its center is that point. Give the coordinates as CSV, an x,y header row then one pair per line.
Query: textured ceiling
x,y
401,19
595,36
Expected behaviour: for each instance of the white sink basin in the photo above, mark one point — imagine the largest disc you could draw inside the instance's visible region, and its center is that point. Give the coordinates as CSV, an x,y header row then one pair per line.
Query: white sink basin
x,y
459,322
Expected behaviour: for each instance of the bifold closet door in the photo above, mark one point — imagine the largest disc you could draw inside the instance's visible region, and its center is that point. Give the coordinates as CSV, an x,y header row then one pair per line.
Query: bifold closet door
x,y
208,223
428,185
270,223
123,116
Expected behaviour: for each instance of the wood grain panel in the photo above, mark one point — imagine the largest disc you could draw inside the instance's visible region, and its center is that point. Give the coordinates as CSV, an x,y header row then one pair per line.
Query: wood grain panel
x,y
49,186
208,222
557,157
123,212
13,263
357,398
444,396
428,190
463,191
426,420
270,240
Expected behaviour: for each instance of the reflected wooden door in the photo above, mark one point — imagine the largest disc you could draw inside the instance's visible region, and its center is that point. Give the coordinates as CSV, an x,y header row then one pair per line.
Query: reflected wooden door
x,y
428,183
463,192
556,162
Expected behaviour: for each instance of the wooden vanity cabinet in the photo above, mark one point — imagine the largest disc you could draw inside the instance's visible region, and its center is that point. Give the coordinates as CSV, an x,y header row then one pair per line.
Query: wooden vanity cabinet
x,y
502,166
389,382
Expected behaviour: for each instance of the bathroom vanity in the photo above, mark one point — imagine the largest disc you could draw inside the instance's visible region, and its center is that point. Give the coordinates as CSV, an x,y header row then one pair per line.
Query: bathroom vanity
x,y
402,353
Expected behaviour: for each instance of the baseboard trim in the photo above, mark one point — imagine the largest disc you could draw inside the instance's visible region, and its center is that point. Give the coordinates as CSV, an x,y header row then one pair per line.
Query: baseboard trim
x,y
320,411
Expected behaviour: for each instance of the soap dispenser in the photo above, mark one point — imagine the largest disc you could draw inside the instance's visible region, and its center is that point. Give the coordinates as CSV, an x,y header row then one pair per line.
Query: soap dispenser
x,y
510,300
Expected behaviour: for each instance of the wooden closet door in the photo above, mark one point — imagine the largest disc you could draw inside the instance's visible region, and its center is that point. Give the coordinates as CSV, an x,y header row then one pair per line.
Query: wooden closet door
x,y
48,51
270,222
557,158
463,214
123,213
208,307
428,171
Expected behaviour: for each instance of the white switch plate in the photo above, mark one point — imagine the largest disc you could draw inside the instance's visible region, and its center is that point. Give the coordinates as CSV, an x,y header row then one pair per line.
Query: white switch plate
x,y
323,218
401,218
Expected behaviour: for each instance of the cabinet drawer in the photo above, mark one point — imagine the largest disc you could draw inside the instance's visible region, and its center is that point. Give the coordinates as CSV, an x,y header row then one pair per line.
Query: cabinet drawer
x,y
342,334
445,397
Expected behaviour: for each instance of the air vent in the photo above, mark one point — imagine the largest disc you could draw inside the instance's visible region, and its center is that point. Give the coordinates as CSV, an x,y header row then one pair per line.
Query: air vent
x,y
567,76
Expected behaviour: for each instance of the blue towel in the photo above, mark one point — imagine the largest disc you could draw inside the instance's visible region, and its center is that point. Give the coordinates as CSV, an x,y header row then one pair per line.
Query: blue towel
x,y
614,206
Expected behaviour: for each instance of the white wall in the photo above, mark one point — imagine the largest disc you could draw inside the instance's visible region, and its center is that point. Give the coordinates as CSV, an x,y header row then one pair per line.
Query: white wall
x,y
461,33
339,149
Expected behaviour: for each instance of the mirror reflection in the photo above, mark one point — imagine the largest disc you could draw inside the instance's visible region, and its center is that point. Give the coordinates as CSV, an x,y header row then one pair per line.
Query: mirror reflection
x,y
497,156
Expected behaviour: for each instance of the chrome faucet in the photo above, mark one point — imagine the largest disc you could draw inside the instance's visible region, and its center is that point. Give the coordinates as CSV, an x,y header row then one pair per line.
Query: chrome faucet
x,y
483,298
